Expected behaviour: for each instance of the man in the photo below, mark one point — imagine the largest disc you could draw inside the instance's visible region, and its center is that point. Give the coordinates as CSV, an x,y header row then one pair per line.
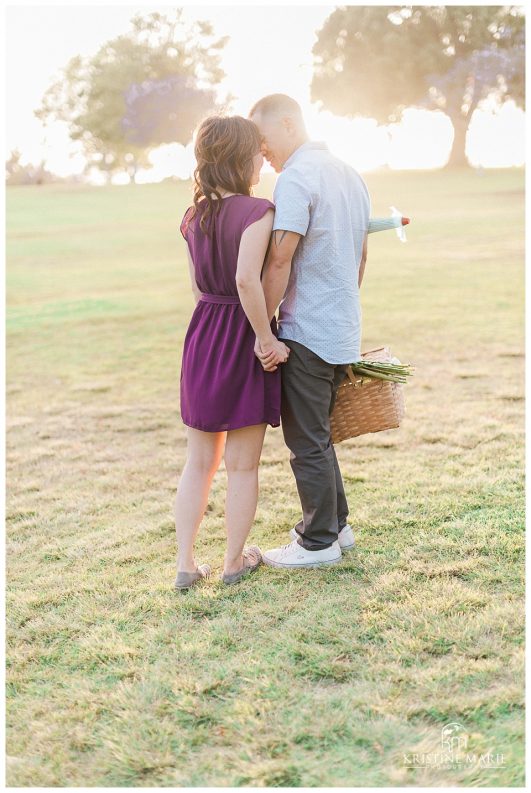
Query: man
x,y
315,266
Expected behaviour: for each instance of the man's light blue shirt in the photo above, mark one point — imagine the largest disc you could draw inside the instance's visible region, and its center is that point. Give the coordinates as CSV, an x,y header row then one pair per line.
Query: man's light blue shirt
x,y
325,200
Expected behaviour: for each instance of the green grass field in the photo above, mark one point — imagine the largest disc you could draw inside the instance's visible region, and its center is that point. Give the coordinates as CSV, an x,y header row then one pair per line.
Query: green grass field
x,y
331,677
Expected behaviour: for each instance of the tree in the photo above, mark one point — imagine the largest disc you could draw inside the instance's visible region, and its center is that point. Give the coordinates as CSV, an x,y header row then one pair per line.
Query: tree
x,y
164,111
378,60
14,168
107,98
19,174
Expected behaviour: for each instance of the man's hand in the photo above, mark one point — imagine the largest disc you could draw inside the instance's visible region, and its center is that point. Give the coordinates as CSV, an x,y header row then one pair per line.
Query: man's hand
x,y
269,358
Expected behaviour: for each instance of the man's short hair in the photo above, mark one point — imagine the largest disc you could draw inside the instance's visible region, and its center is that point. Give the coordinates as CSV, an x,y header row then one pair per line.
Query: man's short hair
x,y
277,104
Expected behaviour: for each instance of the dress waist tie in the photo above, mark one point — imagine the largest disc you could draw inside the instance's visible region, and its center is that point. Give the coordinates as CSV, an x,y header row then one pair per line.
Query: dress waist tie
x,y
229,299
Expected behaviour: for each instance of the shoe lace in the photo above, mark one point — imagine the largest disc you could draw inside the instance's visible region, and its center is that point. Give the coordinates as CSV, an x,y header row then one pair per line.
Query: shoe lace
x,y
284,549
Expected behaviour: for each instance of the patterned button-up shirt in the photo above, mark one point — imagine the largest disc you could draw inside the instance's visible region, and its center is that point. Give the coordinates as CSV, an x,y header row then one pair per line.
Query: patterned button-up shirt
x,y
322,198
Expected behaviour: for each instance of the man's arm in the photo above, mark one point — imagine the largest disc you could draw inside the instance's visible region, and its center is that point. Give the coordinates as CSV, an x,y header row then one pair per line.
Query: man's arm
x,y
277,267
292,200
362,261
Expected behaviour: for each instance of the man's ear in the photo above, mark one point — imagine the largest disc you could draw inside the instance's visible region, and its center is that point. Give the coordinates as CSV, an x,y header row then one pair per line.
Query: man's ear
x,y
289,126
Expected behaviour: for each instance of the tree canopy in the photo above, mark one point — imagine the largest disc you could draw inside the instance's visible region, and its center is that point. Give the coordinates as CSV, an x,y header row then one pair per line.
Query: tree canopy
x,y
378,60
146,87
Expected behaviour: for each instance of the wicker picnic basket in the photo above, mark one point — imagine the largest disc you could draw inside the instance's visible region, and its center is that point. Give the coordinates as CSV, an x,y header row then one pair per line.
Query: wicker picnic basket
x,y
365,404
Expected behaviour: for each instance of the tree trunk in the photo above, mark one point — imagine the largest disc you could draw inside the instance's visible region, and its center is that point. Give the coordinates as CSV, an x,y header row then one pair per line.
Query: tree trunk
x,y
131,170
457,157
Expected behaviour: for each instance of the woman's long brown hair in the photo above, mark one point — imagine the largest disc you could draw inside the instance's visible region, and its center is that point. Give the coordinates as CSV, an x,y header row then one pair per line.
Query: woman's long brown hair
x,y
224,151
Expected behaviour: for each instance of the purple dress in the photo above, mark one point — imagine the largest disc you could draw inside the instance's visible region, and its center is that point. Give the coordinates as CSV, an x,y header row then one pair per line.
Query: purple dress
x,y
223,384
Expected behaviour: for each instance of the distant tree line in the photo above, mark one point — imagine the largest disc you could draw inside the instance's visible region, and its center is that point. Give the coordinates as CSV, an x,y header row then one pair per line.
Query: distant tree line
x,y
30,173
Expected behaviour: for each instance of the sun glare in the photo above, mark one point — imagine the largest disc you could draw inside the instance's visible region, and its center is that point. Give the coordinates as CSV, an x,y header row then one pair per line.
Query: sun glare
x,y
422,139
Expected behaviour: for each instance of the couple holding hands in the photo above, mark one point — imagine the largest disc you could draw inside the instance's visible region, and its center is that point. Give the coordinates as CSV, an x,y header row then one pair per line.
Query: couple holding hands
x,y
241,370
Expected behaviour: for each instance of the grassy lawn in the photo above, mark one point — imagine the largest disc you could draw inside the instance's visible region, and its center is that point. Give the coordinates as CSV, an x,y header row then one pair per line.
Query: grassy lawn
x,y
332,677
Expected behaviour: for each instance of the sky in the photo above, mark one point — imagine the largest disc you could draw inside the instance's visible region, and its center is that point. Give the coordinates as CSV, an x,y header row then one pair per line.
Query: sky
x,y
269,50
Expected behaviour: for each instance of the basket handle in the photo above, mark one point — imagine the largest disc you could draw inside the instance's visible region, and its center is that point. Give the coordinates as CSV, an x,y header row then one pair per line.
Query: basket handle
x,y
351,377
360,380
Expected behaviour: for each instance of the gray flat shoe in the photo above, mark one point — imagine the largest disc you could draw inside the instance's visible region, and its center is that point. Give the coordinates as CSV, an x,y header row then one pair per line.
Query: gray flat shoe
x,y
252,558
186,580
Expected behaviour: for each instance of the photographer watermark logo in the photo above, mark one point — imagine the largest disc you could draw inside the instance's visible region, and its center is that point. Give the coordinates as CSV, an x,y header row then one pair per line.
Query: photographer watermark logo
x,y
454,753
454,738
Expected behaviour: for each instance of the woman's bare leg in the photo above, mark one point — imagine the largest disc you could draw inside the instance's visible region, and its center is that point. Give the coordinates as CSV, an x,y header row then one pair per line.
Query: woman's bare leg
x,y
204,454
242,457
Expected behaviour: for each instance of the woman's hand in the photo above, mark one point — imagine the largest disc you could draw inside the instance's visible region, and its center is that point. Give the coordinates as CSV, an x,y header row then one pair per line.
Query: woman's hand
x,y
271,352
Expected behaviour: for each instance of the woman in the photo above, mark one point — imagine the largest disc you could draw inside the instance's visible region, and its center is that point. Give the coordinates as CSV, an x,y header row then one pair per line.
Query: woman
x,y
227,398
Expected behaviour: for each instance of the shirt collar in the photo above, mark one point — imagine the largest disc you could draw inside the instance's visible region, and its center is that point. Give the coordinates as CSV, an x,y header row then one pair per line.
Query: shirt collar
x,y
310,144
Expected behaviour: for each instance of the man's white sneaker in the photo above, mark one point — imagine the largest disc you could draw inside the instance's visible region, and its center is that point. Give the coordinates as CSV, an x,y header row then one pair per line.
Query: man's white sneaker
x,y
345,537
294,555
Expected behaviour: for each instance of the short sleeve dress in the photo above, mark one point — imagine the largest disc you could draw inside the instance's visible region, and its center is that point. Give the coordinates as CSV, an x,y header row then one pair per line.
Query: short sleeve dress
x,y
223,384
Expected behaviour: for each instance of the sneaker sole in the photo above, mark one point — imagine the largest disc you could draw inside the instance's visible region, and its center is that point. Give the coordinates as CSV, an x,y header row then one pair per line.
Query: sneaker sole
x,y
304,564
348,547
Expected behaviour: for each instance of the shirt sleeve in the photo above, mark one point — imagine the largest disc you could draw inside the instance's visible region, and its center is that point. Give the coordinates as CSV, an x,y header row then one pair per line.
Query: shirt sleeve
x,y
292,203
185,222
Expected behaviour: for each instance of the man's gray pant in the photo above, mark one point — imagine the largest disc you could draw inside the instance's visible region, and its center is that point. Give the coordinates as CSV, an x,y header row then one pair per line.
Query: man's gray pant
x,y
309,387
